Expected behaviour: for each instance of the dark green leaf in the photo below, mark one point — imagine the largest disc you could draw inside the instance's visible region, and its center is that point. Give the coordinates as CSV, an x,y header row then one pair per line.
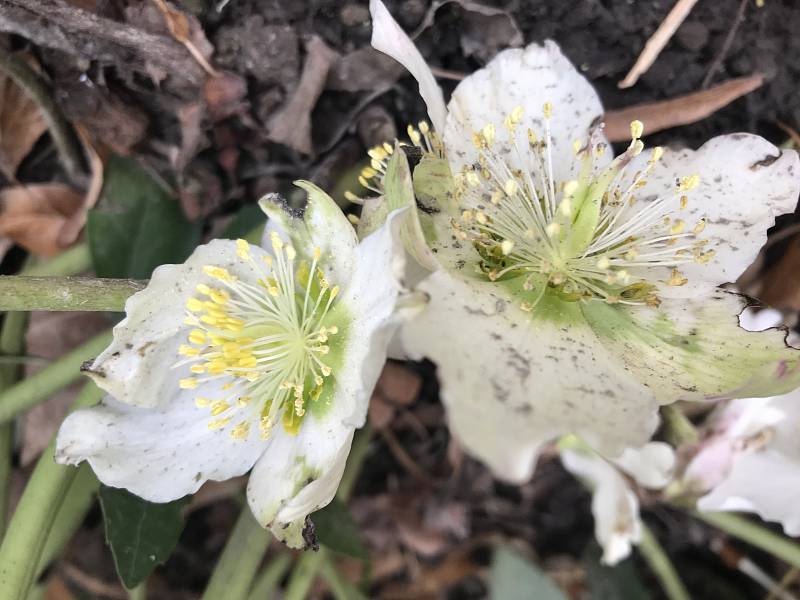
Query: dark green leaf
x,y
248,224
620,582
141,534
516,578
136,226
336,530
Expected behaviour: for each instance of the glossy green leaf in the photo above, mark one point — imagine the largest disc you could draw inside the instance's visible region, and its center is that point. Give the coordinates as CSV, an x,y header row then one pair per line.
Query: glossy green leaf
x,y
514,577
136,226
337,531
141,534
248,224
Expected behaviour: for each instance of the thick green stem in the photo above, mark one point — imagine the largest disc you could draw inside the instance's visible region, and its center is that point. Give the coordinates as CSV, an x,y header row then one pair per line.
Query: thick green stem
x,y
661,566
12,341
755,534
66,293
49,380
30,526
73,261
270,577
236,568
69,148
304,573
341,589
678,429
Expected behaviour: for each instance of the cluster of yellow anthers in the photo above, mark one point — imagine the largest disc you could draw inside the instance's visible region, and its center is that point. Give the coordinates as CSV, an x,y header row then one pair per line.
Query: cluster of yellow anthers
x,y
584,234
263,342
371,177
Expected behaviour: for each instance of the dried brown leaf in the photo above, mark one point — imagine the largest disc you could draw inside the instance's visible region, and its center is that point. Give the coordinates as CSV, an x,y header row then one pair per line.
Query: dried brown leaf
x,y
21,124
682,110
291,125
34,215
225,95
398,384
780,285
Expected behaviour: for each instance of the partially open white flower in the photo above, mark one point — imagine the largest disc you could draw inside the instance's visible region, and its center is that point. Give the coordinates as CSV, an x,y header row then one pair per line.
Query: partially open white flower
x,y
242,358
574,292
615,506
750,460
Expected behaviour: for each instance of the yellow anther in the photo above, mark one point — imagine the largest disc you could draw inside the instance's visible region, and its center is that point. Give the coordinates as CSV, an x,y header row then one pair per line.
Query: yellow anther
x,y
377,153
368,172
323,349
532,139
657,153
243,401
603,263
565,207
219,296
291,253
376,165
705,257
576,147
203,289
481,218
218,423
413,135
362,180
242,249
488,132
631,254
186,350
220,273
333,330
547,110
701,225
570,187
510,187
684,202
677,227
496,197
689,182
637,129
351,197
353,218
241,431
194,305
516,114
318,380
636,147
218,407
197,369
388,148
467,216
317,253
423,127
506,247
676,279
553,229
267,260
277,242
325,370
189,383
201,402
472,179
273,291
526,307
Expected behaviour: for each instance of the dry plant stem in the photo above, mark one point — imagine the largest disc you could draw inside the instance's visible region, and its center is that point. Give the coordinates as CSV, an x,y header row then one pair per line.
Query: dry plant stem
x,y
661,566
52,378
28,530
755,534
12,342
66,293
270,577
726,45
682,110
308,566
69,149
236,568
657,41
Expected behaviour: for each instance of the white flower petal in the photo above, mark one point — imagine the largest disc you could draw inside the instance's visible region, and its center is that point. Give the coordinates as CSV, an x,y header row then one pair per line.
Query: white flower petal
x,y
512,381
764,477
298,475
160,454
652,465
696,350
388,37
137,367
322,225
615,507
529,78
745,182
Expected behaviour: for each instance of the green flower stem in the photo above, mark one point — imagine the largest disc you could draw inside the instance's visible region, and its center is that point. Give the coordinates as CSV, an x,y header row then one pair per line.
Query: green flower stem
x,y
236,568
341,589
678,429
270,577
65,293
139,592
755,534
12,341
31,524
52,378
75,260
661,566
310,563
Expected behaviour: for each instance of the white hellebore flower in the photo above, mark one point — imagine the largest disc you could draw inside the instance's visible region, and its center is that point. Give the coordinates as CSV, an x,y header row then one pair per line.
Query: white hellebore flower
x,y
246,357
615,506
750,460
573,292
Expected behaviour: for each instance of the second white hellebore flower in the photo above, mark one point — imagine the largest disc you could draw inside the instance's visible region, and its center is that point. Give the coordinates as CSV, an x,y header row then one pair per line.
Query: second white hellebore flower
x,y
571,291
247,358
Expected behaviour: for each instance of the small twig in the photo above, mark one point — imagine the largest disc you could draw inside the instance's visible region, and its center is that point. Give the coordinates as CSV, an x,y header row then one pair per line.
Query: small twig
x,y
19,292
657,41
726,45
69,149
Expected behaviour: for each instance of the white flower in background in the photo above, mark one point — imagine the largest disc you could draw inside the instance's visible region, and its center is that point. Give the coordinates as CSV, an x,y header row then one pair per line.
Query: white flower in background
x,y
573,292
242,358
615,506
750,460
